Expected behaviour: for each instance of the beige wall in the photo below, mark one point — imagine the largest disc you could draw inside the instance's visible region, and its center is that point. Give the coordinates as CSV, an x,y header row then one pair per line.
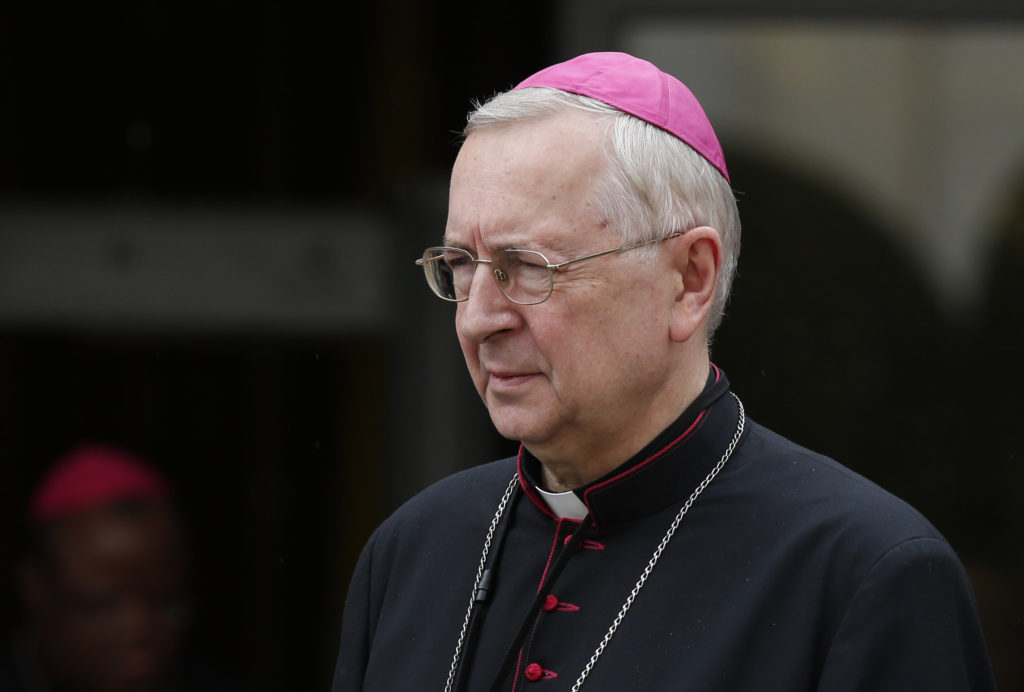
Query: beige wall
x,y
921,125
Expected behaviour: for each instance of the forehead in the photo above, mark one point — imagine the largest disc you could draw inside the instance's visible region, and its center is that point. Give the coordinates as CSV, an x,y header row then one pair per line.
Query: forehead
x,y
517,182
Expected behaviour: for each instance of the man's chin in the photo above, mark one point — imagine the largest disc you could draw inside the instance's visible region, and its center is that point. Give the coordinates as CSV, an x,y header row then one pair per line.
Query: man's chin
x,y
511,424
521,424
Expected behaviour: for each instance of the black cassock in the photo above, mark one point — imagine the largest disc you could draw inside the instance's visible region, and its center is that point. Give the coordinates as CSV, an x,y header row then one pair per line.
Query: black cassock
x,y
790,572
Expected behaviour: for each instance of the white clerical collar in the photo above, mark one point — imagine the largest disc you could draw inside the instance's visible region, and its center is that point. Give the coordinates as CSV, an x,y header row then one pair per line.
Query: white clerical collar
x,y
565,505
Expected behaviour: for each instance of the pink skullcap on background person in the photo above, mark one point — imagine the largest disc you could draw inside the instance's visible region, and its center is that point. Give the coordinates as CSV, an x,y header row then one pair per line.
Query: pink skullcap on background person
x,y
92,476
639,88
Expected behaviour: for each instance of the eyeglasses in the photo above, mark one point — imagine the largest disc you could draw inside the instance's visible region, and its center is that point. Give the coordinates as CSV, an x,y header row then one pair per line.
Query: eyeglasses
x,y
525,277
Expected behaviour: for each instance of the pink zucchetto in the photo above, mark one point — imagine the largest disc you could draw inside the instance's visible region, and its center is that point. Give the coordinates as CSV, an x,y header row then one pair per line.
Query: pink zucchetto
x,y
92,476
639,88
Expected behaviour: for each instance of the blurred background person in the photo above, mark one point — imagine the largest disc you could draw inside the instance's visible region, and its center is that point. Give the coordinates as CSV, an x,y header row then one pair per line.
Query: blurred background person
x,y
103,581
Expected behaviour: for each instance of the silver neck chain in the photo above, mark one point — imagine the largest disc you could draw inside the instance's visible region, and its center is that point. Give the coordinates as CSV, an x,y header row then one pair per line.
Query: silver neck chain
x,y
479,575
640,582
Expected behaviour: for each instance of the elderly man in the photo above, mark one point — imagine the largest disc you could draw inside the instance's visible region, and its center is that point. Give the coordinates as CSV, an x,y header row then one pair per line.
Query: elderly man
x,y
648,535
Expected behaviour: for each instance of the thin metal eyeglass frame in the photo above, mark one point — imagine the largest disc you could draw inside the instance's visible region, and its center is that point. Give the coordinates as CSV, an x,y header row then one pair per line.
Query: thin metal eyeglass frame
x,y
552,268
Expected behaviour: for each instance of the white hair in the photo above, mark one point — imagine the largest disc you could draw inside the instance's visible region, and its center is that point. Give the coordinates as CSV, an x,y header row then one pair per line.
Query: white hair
x,y
656,184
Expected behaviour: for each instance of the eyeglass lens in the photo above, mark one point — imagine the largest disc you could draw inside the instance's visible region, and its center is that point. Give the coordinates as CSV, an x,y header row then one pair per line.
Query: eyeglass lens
x,y
522,275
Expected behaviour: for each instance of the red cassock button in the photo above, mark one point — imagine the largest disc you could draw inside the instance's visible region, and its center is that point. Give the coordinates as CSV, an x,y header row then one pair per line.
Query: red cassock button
x,y
550,603
534,672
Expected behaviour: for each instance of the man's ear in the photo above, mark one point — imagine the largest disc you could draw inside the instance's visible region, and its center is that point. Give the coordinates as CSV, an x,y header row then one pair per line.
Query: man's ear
x,y
697,257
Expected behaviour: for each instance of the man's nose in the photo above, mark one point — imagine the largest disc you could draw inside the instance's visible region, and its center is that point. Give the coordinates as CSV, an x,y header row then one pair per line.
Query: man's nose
x,y
487,310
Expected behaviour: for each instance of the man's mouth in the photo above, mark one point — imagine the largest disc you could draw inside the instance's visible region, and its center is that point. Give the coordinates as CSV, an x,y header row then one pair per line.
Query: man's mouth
x,y
508,380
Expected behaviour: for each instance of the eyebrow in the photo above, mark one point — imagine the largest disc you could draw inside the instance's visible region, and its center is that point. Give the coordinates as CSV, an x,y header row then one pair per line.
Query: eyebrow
x,y
547,251
448,242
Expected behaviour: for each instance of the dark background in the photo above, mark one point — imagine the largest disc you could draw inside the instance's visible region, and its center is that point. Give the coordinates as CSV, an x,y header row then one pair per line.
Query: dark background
x,y
288,446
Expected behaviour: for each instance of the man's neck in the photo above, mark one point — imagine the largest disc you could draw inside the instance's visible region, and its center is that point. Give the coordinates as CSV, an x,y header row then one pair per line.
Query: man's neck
x,y
570,478
568,471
